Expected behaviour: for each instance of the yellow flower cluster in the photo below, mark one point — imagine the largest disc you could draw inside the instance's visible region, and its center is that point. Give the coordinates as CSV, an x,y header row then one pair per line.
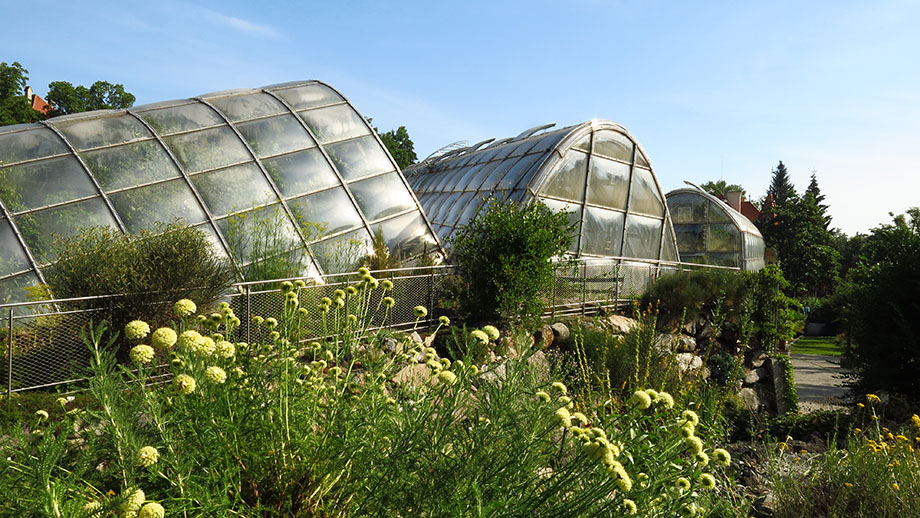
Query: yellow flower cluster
x,y
141,354
164,338
147,456
184,308
137,329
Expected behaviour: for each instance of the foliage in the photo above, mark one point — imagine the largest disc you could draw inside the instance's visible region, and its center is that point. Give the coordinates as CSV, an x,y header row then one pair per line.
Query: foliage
x,y
399,145
781,188
262,243
790,395
15,107
153,266
777,316
883,312
875,475
102,95
688,296
721,187
503,256
280,427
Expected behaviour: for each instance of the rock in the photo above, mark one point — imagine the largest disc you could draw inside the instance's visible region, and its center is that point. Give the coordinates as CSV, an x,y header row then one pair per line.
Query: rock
x,y
392,346
561,332
750,398
705,373
688,362
763,506
539,366
666,343
620,325
689,328
756,375
416,338
544,337
414,374
429,340
756,358
686,344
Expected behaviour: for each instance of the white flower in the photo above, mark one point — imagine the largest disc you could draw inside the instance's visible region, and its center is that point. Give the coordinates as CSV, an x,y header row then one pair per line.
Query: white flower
x,y
137,329
147,456
215,374
141,354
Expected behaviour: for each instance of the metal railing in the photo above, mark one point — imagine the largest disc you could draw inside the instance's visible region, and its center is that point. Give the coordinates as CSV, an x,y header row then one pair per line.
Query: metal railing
x,y
41,345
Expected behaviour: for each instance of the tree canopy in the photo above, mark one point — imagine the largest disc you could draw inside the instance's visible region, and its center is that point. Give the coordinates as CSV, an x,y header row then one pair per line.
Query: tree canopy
x,y
15,107
721,187
781,186
399,144
102,95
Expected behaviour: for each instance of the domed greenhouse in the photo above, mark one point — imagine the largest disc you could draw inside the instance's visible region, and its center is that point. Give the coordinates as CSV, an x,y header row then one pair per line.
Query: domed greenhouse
x,y
595,170
711,232
295,159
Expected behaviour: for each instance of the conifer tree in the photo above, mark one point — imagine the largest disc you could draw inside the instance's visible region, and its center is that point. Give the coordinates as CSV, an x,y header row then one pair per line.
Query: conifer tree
x,y
781,186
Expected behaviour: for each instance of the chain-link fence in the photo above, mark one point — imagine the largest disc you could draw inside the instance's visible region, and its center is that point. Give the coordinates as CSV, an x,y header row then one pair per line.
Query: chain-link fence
x,y
41,344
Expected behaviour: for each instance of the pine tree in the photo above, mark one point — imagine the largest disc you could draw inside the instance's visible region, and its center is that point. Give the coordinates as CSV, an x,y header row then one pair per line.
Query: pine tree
x,y
815,192
781,187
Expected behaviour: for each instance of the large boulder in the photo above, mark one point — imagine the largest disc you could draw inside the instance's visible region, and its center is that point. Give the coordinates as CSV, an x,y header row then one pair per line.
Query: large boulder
x,y
544,337
756,375
561,332
750,398
620,325
675,343
688,362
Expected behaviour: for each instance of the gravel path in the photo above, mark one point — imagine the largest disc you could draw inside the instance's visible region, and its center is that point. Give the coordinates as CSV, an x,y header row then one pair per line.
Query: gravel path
x,y
819,381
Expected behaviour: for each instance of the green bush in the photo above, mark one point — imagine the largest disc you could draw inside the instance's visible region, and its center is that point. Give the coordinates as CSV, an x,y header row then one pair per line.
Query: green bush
x,y
503,257
686,296
150,268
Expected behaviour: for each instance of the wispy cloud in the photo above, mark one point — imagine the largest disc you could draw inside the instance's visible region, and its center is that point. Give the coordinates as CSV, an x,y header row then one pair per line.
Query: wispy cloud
x,y
242,25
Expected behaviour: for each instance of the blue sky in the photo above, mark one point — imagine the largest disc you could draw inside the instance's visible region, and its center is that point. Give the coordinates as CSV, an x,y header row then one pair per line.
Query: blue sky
x,y
710,89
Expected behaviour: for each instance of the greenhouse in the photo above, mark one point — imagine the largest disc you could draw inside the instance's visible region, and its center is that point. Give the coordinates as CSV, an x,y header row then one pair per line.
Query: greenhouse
x,y
295,160
595,171
709,231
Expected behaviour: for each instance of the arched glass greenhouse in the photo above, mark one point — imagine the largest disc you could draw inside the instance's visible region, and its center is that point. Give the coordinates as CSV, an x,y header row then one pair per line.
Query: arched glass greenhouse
x,y
711,232
295,159
595,170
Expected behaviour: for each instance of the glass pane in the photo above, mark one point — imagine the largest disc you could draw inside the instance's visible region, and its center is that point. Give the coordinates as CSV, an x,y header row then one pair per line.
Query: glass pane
x,y
133,164
212,238
233,189
343,253
358,158
208,149
724,259
335,123
92,133
40,229
406,235
521,173
498,173
14,288
247,107
691,237
724,237
643,237
445,234
457,209
641,161
608,184
567,180
324,213
276,135
26,145
574,215
547,142
166,202
382,196
37,184
644,197
611,144
12,257
309,96
687,208
301,172
668,250
583,144
718,213
603,232
254,235
455,180
181,118
450,199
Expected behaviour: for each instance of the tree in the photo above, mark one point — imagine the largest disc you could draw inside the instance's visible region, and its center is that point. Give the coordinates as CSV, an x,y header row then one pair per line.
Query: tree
x,y
102,95
721,188
781,187
15,107
400,146
815,192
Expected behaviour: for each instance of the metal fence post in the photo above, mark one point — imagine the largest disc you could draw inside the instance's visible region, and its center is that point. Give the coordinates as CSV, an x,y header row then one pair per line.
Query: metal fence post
x,y
248,314
9,360
584,287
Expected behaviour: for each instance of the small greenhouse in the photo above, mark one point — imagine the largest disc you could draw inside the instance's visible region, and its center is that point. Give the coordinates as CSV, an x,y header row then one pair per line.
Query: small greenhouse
x,y
293,159
595,170
709,231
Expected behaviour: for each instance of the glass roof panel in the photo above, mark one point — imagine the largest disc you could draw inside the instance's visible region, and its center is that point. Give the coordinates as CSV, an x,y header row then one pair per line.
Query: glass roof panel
x,y
574,215
687,208
724,237
522,172
301,172
335,123
181,118
91,133
326,212
718,213
358,158
644,197
691,237
731,259
641,161
459,206
310,96
129,165
40,229
257,229
603,232
247,107
382,196
13,289
643,237
36,184
498,173
611,144
342,253
567,179
165,202
208,149
233,189
608,185
275,135
668,251
12,258
30,144
406,235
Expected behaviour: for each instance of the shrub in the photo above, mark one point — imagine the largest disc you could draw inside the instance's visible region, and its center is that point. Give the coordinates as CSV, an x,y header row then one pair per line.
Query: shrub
x,y
503,256
151,268
687,296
